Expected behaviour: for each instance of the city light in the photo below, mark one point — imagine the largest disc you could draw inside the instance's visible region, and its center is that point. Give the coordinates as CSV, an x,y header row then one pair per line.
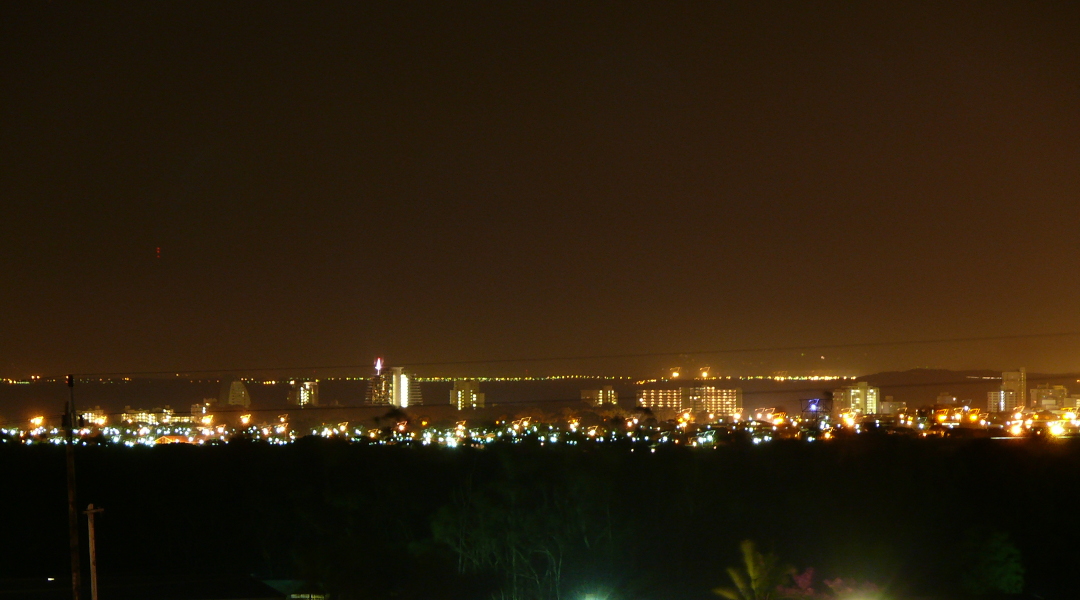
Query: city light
x,y
693,414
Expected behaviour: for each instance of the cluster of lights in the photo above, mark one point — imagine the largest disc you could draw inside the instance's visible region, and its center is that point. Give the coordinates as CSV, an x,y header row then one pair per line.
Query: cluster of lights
x,y
686,429
525,378
1022,424
704,374
131,432
682,432
40,379
952,417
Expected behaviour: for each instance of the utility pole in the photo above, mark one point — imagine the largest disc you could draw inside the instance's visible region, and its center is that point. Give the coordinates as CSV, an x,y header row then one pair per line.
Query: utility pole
x,y
73,510
90,512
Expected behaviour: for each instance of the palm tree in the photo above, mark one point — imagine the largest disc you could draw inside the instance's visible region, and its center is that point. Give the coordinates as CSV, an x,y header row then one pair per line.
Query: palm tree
x,y
757,578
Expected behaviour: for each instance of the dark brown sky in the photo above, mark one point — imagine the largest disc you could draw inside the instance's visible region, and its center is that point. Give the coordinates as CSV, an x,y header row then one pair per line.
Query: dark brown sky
x,y
444,181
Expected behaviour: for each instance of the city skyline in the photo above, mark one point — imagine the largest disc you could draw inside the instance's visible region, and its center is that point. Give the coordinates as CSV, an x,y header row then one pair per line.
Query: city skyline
x,y
917,388
539,301
687,410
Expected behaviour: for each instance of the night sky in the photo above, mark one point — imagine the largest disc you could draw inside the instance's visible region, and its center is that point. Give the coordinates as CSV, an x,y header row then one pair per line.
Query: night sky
x,y
457,181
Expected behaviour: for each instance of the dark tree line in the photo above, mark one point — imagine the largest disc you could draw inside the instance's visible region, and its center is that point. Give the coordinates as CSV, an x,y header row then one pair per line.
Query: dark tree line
x,y
527,522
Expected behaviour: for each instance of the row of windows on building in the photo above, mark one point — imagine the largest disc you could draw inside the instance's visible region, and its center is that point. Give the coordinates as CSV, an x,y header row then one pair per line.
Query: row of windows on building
x,y
708,399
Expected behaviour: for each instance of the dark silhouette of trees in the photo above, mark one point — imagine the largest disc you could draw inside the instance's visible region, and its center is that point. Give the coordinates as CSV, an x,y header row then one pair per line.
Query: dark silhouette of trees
x,y
990,563
537,523
757,578
533,531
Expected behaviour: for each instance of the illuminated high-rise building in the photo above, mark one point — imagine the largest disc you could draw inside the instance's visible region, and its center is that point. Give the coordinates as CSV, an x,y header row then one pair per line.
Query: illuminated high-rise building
x,y
1015,381
304,393
404,392
466,394
394,387
861,398
713,400
235,393
1001,401
709,399
96,417
157,416
606,396
652,398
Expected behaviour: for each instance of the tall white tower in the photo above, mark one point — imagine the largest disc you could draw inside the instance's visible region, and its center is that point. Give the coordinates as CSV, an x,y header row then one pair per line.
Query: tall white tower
x,y
399,388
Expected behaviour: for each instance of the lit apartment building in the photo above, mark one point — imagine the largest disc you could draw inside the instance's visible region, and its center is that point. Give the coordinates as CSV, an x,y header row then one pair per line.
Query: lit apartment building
x,y
652,398
304,393
721,402
606,396
157,416
466,394
1001,401
713,400
861,398
1016,382
96,417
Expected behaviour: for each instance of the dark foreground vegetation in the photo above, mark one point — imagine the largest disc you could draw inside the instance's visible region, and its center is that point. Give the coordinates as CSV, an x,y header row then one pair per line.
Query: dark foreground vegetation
x,y
916,518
